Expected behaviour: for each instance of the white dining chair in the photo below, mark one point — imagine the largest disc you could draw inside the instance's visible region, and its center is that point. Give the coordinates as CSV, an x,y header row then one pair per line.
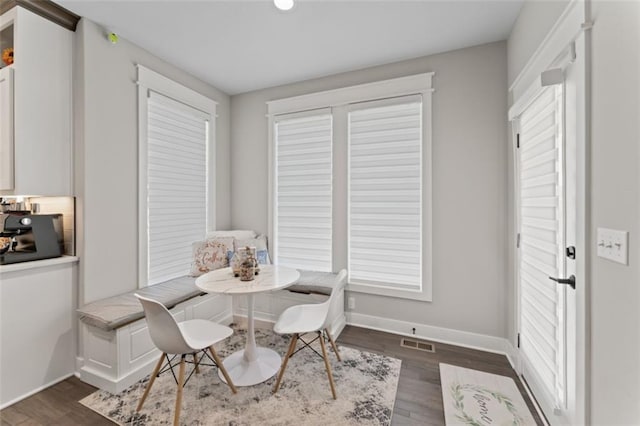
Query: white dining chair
x,y
313,318
181,339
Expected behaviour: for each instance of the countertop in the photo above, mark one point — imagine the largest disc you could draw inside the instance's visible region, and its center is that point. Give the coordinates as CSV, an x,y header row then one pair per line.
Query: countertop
x,y
22,266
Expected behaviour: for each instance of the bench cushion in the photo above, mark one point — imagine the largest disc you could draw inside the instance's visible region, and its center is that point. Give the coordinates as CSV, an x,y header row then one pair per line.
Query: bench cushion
x,y
314,282
113,312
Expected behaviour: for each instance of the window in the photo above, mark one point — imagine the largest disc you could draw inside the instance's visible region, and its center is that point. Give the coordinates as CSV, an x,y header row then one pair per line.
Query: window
x,y
385,188
351,184
303,191
176,128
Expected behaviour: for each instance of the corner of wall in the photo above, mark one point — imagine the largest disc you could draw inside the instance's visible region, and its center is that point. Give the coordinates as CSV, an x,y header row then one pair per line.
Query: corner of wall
x,y
78,147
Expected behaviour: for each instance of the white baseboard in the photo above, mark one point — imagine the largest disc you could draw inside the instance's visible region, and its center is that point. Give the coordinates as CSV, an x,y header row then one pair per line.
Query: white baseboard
x,y
450,336
514,359
79,364
34,391
512,355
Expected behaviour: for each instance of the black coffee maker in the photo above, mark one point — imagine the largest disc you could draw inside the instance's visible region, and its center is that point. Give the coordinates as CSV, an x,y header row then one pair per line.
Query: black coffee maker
x,y
27,237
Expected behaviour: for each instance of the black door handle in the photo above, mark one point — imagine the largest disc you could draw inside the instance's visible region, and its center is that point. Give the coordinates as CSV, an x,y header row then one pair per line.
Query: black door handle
x,y
571,281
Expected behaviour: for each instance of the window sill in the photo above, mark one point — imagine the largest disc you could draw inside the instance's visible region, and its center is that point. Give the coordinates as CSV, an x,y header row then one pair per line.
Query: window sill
x,y
22,266
423,295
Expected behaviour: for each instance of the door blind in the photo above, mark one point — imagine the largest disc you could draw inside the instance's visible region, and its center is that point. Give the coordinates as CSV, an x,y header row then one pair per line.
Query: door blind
x,y
303,192
385,195
177,137
542,242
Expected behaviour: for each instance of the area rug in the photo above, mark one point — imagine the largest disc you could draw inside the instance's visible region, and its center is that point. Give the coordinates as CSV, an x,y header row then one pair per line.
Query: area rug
x,y
366,386
477,398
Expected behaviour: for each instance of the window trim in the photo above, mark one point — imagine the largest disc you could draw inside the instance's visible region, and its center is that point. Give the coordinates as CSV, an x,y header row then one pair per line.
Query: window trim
x,y
149,80
340,100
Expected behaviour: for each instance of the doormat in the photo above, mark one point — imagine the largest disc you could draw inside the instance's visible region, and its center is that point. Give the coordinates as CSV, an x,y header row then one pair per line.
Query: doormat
x,y
474,397
366,386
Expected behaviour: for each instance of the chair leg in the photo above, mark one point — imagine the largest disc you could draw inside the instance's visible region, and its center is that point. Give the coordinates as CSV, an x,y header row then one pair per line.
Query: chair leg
x,y
195,362
176,416
221,368
326,364
333,344
151,380
292,347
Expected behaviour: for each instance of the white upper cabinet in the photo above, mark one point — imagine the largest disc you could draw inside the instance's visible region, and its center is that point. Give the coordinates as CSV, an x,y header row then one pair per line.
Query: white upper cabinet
x,y
41,107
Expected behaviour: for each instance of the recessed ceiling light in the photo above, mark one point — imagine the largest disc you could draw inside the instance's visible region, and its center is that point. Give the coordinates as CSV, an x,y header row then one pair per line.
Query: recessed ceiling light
x,y
283,4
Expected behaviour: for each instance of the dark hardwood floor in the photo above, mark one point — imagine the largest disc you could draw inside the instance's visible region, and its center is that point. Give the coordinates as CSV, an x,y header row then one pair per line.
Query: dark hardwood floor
x,y
57,405
418,402
419,398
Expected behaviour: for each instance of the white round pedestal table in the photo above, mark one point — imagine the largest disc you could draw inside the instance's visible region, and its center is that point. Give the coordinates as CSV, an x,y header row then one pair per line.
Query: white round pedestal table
x,y
253,364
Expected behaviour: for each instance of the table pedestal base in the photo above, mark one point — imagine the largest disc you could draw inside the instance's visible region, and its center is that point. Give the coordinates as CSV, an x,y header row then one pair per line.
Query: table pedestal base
x,y
248,373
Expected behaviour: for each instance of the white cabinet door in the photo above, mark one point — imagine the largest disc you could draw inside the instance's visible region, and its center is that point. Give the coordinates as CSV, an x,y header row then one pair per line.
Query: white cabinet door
x,y
41,120
6,129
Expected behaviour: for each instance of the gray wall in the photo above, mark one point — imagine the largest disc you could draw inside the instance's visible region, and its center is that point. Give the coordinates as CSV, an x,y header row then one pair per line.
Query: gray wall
x,y
614,197
469,175
534,22
106,140
615,203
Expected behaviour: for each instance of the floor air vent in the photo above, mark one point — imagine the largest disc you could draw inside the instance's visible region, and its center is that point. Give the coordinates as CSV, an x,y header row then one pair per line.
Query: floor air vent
x,y
417,344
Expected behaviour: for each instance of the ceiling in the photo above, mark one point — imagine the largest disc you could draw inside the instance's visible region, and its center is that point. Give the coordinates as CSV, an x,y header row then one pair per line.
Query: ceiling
x,y
240,46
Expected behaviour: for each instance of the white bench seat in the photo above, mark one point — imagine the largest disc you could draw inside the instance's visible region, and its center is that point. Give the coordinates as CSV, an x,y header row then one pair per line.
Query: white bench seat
x,y
117,311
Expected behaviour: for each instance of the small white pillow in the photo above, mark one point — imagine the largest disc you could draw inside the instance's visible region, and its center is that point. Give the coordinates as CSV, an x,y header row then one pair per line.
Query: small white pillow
x,y
238,234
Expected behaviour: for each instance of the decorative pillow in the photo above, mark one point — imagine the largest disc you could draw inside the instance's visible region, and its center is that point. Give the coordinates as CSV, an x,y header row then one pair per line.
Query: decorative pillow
x,y
210,255
233,234
260,243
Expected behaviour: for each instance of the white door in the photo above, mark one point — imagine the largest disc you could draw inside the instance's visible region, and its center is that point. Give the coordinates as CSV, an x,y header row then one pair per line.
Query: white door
x,y
546,213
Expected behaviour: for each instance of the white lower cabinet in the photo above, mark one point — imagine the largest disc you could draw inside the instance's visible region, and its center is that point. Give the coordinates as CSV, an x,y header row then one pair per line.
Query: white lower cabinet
x,y
37,327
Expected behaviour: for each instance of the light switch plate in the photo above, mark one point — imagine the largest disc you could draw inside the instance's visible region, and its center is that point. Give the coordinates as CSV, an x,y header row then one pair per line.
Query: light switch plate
x,y
613,245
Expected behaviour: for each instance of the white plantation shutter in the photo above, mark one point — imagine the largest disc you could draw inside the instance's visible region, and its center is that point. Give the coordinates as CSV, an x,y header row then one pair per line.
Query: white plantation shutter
x,y
541,242
385,187
303,175
177,137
